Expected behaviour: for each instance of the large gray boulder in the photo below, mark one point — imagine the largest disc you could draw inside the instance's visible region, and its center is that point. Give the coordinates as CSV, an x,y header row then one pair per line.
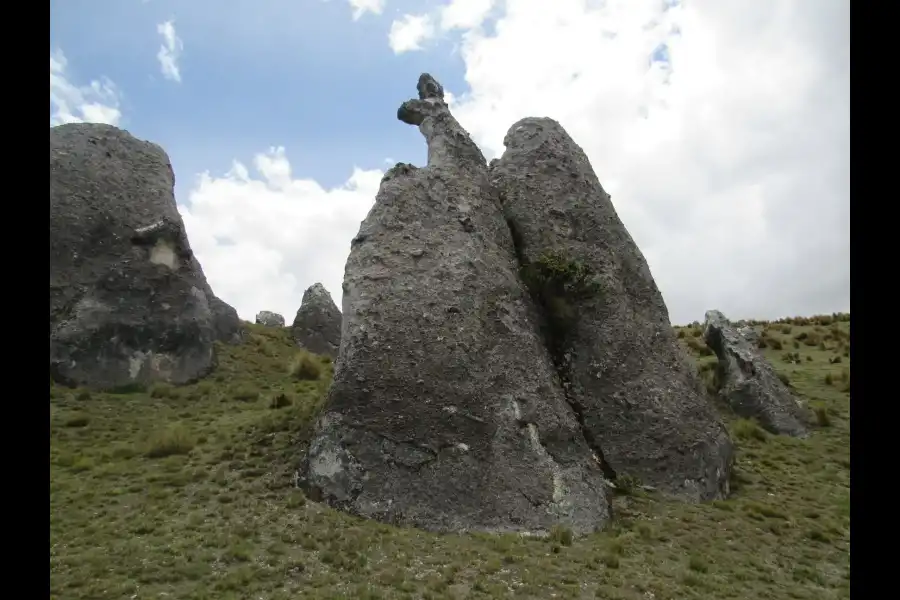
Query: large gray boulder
x,y
445,412
267,318
748,383
128,300
317,325
640,400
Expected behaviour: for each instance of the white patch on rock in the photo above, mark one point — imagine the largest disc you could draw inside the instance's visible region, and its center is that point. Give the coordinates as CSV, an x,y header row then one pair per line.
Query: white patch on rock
x,y
163,254
326,464
136,363
558,486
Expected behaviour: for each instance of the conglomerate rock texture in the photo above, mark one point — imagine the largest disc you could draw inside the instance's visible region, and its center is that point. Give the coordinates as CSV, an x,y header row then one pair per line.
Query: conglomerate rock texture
x,y
129,302
639,398
445,412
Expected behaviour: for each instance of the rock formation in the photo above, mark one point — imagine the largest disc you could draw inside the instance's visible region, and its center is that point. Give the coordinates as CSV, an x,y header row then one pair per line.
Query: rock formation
x,y
317,325
128,299
748,383
445,412
269,319
640,400
749,334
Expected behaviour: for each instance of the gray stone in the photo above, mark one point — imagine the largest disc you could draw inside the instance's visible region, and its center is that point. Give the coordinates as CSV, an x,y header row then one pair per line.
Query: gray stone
x,y
317,324
129,302
749,334
269,319
748,383
445,412
641,402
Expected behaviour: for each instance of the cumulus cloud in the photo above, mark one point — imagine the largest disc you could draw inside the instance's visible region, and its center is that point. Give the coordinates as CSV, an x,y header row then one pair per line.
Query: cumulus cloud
x,y
465,14
720,129
169,51
361,7
409,32
264,236
96,102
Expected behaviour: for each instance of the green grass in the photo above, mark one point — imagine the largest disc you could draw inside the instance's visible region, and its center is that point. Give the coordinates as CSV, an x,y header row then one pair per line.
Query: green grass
x,y
188,493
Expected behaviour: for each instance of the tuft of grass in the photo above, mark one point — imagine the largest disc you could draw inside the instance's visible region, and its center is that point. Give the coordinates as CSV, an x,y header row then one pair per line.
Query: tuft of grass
x,y
561,535
773,343
280,400
748,429
77,420
245,393
171,441
699,347
305,366
822,417
697,564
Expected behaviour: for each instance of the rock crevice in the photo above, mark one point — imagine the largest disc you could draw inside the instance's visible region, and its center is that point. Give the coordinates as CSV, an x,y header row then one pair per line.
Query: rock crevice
x,y
605,322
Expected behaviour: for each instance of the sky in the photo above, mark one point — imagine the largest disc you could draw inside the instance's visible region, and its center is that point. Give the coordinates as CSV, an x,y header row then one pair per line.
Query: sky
x,y
721,128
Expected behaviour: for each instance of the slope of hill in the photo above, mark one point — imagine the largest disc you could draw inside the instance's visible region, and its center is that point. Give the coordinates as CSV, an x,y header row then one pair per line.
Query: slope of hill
x,y
188,493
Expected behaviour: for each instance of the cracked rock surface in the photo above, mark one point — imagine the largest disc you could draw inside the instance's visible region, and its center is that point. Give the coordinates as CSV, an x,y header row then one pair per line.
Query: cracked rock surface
x,y
129,302
748,383
640,399
445,412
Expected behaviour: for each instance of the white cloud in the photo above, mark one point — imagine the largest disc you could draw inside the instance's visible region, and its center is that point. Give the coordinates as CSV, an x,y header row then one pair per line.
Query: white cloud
x,y
361,7
264,237
408,32
729,163
465,14
169,51
97,102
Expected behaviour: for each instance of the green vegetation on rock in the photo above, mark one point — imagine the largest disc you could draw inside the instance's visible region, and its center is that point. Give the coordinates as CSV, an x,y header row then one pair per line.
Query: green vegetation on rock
x,y
188,492
557,283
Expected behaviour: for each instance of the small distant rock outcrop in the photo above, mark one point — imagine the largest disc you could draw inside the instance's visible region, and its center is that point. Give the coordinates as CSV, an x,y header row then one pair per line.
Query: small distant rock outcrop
x,y
748,383
317,325
640,400
269,319
749,334
129,302
445,412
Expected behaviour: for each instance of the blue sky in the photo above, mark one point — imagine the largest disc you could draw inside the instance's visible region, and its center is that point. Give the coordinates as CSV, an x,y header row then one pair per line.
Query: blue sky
x,y
296,73
716,126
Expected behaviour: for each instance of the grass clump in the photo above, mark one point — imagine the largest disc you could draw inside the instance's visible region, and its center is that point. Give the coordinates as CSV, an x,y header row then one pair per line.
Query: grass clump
x,y
306,366
822,417
748,429
559,284
171,441
561,535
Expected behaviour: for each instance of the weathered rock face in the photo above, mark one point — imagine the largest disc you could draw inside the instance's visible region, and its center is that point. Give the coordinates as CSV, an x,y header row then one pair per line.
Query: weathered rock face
x,y
317,325
445,412
269,319
747,381
128,299
641,401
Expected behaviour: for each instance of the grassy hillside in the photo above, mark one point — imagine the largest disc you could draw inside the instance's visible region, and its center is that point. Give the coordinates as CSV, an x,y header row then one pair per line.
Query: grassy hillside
x,y
188,493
